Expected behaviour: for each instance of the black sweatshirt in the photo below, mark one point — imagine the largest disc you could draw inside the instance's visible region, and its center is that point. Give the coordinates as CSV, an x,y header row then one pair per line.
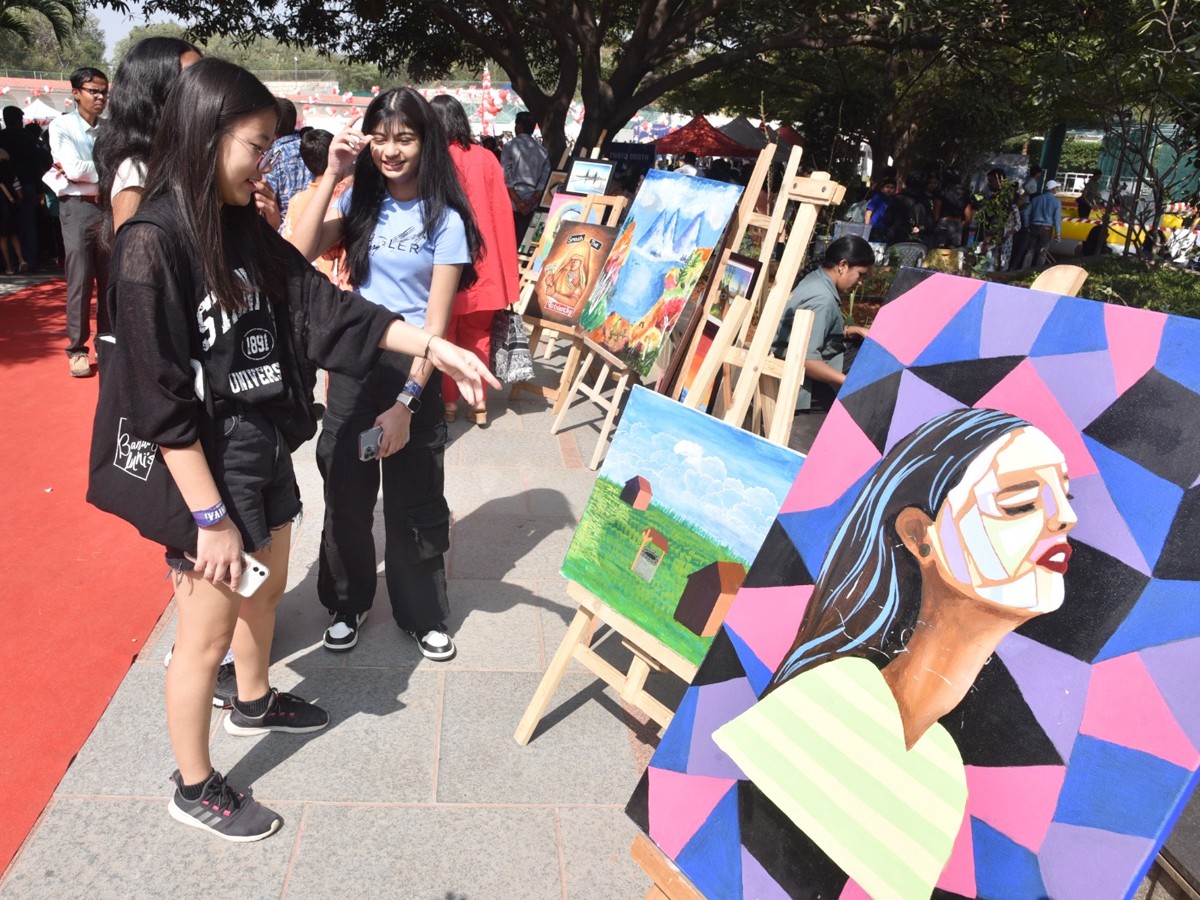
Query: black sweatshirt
x,y
166,324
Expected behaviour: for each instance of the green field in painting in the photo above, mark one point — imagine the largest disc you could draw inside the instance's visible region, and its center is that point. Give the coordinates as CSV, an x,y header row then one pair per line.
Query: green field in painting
x,y
603,551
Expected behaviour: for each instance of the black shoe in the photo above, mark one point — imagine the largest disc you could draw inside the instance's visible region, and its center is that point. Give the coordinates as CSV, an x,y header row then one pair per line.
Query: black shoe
x,y
434,642
342,633
223,811
226,688
285,712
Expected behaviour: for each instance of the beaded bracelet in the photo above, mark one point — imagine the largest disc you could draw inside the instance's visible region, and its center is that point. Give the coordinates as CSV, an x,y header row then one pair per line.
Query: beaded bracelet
x,y
412,388
210,516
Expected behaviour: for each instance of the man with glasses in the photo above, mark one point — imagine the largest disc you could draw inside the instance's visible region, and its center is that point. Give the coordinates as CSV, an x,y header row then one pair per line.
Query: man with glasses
x,y
71,140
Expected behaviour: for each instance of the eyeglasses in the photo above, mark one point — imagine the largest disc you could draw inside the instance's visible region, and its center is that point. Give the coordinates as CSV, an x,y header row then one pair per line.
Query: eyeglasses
x,y
266,158
96,92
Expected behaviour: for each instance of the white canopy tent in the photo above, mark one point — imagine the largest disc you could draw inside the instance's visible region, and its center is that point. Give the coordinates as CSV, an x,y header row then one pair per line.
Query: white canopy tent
x,y
37,111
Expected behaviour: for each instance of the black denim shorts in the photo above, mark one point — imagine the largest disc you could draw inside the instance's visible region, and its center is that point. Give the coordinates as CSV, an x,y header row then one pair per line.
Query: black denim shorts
x,y
253,471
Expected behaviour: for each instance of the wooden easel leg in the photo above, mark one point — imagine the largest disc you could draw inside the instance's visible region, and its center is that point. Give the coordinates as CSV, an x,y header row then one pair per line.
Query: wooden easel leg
x,y
668,881
577,631
613,406
569,397
570,369
635,678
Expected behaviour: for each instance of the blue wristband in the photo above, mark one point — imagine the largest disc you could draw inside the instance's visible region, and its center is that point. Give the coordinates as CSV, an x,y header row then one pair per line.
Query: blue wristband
x,y
210,516
411,388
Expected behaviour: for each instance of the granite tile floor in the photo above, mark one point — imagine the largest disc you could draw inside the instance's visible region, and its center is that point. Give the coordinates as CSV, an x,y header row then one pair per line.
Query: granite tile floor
x,y
417,789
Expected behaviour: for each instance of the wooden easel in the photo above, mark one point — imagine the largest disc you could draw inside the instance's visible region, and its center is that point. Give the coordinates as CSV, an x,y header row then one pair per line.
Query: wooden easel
x,y
755,364
743,219
649,654
669,882
610,366
767,387
613,208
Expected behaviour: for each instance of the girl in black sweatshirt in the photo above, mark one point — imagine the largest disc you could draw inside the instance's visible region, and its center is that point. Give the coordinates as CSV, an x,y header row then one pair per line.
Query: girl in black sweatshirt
x,y
219,326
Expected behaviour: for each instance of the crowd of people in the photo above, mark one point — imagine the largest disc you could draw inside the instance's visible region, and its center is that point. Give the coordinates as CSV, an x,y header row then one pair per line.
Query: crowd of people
x,y
1013,222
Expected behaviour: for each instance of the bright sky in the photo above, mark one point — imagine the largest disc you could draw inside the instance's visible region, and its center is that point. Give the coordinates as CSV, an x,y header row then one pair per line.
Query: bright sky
x,y
117,25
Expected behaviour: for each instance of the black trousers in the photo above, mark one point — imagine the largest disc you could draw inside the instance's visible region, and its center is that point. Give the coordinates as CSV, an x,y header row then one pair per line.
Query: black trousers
x,y
86,265
415,513
1040,237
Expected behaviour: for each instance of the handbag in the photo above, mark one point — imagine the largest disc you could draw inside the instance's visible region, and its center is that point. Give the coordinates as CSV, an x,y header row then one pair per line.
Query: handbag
x,y
510,357
126,474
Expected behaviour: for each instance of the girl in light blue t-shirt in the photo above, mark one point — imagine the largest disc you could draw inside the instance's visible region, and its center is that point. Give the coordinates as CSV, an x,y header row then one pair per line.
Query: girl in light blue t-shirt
x,y
410,240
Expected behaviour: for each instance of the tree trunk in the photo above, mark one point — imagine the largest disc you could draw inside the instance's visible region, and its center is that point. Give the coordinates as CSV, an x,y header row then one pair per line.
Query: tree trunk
x,y
553,120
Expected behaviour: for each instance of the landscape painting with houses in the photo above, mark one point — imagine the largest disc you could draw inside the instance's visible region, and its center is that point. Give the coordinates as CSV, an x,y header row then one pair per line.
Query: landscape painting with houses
x,y
667,239
679,510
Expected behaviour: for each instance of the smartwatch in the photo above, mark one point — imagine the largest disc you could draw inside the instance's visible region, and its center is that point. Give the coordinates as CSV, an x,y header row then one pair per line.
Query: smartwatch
x,y
413,403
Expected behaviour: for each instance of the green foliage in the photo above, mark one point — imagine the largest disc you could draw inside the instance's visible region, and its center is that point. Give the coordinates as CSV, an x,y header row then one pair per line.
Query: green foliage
x,y
603,550
44,37
270,59
1079,156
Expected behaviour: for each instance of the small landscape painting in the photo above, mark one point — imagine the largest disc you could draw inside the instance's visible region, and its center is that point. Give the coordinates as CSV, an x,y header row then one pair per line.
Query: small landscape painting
x,y
680,508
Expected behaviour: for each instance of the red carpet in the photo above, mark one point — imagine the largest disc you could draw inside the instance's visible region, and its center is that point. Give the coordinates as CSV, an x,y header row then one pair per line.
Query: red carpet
x,y
81,590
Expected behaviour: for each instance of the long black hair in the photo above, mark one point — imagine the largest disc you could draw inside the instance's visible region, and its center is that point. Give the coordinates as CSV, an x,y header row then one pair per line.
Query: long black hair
x,y
207,102
394,110
454,120
143,80
869,591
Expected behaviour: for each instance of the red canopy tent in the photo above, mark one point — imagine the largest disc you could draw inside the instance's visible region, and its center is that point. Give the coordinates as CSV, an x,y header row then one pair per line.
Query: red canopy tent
x,y
700,137
789,135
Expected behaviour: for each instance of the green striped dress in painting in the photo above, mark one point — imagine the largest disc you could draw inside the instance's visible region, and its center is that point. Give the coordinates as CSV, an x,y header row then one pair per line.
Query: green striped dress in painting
x,y
827,748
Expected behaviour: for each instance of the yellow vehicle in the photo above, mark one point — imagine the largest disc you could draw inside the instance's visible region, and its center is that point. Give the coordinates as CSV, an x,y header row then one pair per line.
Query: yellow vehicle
x,y
1075,230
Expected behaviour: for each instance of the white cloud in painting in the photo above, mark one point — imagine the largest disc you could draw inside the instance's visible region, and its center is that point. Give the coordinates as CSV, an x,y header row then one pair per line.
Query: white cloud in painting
x,y
696,485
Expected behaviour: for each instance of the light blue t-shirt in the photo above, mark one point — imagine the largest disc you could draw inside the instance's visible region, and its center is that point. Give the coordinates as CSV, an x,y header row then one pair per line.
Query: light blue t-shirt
x,y
402,260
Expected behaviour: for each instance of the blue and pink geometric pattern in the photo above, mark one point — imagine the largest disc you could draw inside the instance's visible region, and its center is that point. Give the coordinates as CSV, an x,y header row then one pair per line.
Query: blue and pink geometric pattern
x,y
1079,739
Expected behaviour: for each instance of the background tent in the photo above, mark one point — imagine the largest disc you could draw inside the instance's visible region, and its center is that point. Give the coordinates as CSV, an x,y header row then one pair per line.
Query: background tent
x,y
743,131
700,137
37,111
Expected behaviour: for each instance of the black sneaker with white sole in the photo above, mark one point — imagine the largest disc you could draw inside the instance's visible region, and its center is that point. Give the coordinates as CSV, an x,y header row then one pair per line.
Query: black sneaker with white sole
x,y
434,642
285,712
342,633
226,688
222,811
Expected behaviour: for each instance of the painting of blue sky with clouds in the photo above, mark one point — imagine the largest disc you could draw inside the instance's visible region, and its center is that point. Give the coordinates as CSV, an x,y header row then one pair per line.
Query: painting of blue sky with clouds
x,y
680,508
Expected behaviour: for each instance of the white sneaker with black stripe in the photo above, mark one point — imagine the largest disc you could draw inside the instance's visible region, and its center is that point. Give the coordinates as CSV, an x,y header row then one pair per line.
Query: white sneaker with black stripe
x,y
222,811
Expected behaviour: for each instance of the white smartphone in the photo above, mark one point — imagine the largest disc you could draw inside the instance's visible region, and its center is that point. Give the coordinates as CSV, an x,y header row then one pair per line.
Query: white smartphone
x,y
254,573
368,443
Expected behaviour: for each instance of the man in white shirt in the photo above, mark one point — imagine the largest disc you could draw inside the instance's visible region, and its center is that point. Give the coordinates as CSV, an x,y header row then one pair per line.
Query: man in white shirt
x,y
689,165
71,140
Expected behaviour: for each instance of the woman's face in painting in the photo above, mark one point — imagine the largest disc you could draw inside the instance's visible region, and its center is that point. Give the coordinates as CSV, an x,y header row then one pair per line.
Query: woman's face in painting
x,y
1001,534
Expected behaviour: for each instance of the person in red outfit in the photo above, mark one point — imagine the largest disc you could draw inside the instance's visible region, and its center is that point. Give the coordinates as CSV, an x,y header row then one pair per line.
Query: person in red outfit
x,y
496,284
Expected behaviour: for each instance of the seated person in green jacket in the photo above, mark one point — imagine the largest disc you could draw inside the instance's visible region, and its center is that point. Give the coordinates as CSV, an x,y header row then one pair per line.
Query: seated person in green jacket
x,y
847,261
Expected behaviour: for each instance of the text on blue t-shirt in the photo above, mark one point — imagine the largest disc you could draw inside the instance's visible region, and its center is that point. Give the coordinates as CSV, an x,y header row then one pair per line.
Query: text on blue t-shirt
x,y
402,258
